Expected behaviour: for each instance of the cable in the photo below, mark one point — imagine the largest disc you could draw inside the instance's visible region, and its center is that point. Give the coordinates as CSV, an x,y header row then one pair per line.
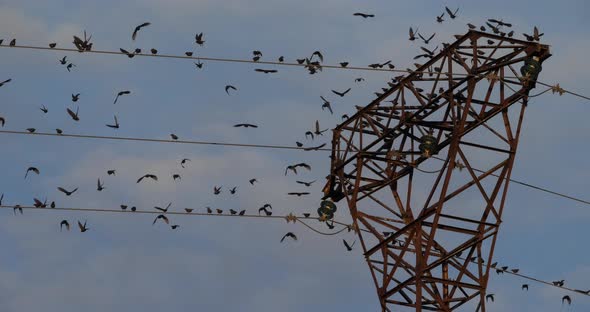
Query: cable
x,y
289,217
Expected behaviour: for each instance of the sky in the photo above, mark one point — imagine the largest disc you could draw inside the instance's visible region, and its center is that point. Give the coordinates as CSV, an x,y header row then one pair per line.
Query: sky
x,y
231,264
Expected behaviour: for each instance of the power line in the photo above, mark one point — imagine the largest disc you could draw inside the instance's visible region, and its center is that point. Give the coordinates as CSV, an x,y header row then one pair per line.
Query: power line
x,y
98,137
556,88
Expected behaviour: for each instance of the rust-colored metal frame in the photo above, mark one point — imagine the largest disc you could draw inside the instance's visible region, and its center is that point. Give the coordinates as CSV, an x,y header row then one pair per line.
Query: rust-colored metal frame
x,y
432,256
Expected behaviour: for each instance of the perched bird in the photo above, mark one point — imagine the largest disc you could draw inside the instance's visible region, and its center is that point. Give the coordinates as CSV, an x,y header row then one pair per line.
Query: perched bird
x,y
163,217
2,121
59,131
245,125
439,18
64,223
74,116
535,36
183,161
289,234
426,41
451,13
163,209
199,39
343,64
188,210
68,193
44,109
490,296
299,144
308,184
559,283
326,104
341,94
125,92
268,213
306,215
266,71
241,213
363,15
32,169
525,287
567,299
281,59
173,136
251,181
83,227
216,190
314,148
188,53
412,34
294,167
99,186
12,42
219,211
134,35
514,270
17,207
298,194
52,45
116,125
31,130
123,207
232,212
348,247
75,97
153,51
359,79
227,87
151,176
209,210
111,172
129,54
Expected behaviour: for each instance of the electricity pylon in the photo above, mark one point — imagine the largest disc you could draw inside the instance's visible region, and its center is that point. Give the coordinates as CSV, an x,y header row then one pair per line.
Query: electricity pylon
x,y
425,168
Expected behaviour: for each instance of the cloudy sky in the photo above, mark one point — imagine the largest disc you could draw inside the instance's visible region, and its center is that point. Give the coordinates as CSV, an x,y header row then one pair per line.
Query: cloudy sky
x,y
228,264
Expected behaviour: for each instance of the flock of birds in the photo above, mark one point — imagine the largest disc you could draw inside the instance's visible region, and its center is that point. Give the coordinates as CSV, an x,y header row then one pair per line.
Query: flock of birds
x,y
313,64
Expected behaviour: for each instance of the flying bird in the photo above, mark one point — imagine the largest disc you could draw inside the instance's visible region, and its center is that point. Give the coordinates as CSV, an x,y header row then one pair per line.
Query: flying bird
x,y
63,60
32,169
216,190
318,54
116,125
227,87
176,176
567,299
451,13
151,176
252,181
2,121
363,15
233,190
183,161
174,226
199,39
99,186
266,71
317,129
5,82
164,209
134,35
490,297
525,287
68,193
111,172
245,125
314,148
129,54
121,93
163,217
499,22
83,227
298,194
289,234
64,223
439,18
341,94
326,104
413,34
75,97
348,247
294,167
44,109
308,184
426,41
74,116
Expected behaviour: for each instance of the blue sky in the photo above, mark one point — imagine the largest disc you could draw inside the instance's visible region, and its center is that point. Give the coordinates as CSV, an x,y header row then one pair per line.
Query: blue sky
x,y
225,264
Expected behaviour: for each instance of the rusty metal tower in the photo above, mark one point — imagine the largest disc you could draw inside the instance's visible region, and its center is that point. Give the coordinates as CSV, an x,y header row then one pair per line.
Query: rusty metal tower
x,y
425,168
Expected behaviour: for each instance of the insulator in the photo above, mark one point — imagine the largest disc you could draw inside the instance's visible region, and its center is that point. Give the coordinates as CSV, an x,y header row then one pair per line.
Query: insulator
x,y
428,145
530,71
327,209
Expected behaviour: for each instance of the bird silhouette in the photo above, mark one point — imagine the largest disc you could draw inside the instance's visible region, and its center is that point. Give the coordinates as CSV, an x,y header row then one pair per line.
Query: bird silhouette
x,y
150,176
12,42
116,125
439,18
314,148
154,51
17,207
111,172
176,176
567,299
559,283
183,162
298,194
120,93
308,184
216,190
163,209
228,87
75,97
268,213
44,109
490,297
64,223
232,212
317,129
129,54
163,218
341,94
32,169
68,193
74,116
2,121
525,287
245,125
174,226
451,13
83,227
52,45
363,15
233,190
289,234
63,61
343,64
188,210
252,181
266,71
99,186
199,39
426,41
295,166
348,247
31,130
413,34
326,104
134,35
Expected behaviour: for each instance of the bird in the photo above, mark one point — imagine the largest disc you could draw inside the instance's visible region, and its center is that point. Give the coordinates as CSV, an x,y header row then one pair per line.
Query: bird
x,y
163,217
317,128
326,104
289,234
426,41
111,172
227,87
44,109
298,194
12,42
188,53
233,190
74,116
134,35
314,148
59,131
163,209
514,270
490,296
535,36
99,186
31,130
52,45
83,227
245,125
281,59
69,67
68,193
121,93
299,144
525,287
430,52
2,121
188,210
306,215
341,94
116,125
294,167
75,97
451,14
39,204
5,82
439,18
232,212
309,133
363,15
123,207
63,61
318,54
267,205
64,223
1,198
266,71
251,181
242,212
153,51
567,299
343,64
17,207
268,213
209,210
199,39
151,176
348,247
129,54
308,184
359,79
216,190
471,26
183,161
174,226
413,34
176,176
32,169
559,283
219,211
173,136
499,22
